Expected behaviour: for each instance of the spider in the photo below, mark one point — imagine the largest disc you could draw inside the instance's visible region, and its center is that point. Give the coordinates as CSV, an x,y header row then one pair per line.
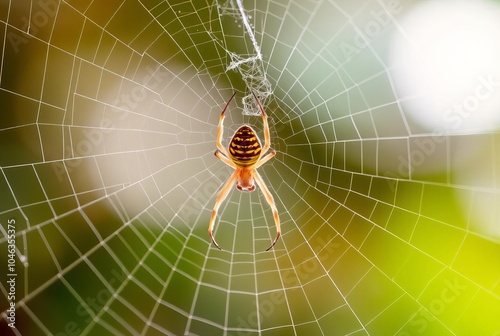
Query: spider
x,y
245,154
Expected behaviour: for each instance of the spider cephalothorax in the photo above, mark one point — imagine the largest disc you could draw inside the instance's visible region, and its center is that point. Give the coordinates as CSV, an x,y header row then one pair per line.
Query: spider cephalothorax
x,y
245,154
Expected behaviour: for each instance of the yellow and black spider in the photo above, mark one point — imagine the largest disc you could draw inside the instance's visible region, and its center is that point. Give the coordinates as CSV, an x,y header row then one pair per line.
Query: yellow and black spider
x,y
245,154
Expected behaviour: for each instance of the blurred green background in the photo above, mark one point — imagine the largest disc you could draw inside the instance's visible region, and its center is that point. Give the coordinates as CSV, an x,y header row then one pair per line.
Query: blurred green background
x,y
385,118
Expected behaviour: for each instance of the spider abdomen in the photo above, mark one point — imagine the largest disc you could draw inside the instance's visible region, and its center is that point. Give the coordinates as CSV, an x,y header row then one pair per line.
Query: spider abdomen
x,y
245,148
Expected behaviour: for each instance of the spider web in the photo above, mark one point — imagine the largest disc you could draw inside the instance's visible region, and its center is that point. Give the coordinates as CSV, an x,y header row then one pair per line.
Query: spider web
x,y
108,179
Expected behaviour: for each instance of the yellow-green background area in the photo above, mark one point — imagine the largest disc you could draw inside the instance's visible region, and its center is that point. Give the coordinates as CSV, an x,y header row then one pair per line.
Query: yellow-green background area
x,y
112,199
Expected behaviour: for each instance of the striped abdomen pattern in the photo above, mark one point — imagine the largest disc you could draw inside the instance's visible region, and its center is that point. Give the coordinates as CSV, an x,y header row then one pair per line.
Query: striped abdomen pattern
x,y
244,149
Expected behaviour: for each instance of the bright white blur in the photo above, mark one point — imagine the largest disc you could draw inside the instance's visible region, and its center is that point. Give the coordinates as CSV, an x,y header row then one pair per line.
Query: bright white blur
x,y
445,65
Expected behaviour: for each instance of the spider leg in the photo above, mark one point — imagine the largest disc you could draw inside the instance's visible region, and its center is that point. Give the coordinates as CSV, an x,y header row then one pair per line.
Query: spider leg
x,y
270,200
222,196
267,134
224,158
220,128
264,159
